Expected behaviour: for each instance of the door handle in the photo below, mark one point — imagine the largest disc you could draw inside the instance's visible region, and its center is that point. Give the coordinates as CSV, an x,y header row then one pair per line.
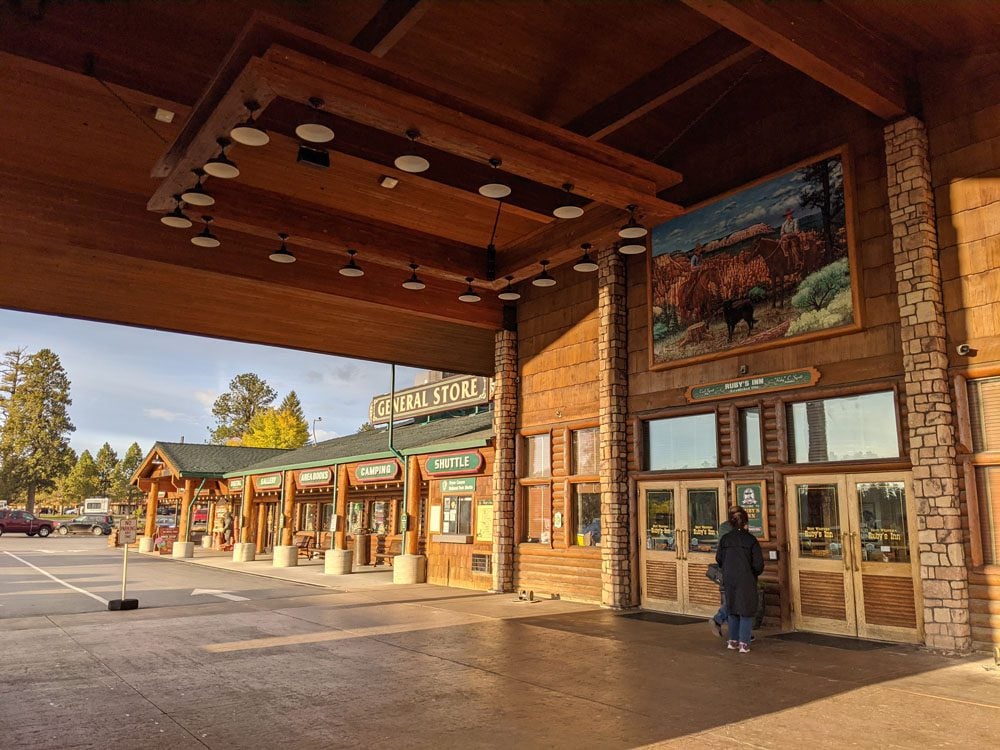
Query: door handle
x,y
681,546
845,548
855,550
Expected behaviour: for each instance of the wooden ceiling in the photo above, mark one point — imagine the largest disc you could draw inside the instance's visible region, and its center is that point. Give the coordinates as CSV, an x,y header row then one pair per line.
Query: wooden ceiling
x,y
602,95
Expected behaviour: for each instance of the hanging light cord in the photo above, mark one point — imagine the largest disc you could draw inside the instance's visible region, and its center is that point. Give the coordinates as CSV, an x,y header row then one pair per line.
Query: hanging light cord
x,y
496,221
760,57
89,65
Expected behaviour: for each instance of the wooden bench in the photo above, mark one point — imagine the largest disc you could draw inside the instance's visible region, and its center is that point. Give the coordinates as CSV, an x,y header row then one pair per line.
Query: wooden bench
x,y
386,554
306,544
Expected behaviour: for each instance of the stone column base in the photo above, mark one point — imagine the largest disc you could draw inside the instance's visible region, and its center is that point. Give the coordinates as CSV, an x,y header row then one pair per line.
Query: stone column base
x,y
183,549
285,556
409,569
244,552
206,541
338,562
146,543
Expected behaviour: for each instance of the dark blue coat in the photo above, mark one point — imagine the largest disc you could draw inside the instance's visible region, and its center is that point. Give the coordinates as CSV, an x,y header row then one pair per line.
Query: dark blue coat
x,y
742,562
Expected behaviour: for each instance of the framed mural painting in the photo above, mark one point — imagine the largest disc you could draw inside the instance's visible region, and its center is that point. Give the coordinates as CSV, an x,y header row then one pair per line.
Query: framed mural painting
x,y
768,264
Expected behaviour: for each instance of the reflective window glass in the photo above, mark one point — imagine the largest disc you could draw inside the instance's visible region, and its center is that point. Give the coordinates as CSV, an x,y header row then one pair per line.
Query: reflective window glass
x,y
587,511
851,428
819,521
681,443
883,535
661,520
537,456
750,450
457,518
585,451
703,520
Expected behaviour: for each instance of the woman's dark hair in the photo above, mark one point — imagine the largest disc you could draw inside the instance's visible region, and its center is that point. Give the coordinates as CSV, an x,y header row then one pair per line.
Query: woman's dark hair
x,y
740,518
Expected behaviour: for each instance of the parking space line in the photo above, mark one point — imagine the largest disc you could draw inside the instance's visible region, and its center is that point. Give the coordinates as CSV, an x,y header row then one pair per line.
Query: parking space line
x,y
58,580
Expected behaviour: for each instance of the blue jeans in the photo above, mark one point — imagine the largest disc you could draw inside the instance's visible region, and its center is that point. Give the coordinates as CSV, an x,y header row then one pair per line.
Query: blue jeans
x,y
743,626
723,614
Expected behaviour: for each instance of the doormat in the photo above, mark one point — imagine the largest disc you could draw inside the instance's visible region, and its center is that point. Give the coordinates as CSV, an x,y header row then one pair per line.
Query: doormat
x,y
664,619
832,641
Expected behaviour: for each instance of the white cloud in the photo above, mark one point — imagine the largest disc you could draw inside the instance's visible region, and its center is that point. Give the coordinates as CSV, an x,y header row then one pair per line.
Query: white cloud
x,y
322,435
205,398
165,415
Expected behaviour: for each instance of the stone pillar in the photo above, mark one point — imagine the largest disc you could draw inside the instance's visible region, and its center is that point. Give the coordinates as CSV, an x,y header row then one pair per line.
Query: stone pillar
x,y
505,383
246,508
612,356
930,419
152,506
288,512
343,486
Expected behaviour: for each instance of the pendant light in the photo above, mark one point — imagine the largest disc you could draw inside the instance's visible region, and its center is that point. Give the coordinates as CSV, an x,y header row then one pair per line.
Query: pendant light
x,y
248,132
222,166
632,229
494,189
632,247
314,131
282,254
509,294
176,218
411,162
543,279
352,270
567,209
205,238
586,264
196,196
414,281
470,294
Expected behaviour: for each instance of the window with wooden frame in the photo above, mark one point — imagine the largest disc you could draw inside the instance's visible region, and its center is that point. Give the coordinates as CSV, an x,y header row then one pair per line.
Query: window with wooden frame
x,y
536,489
685,442
751,445
984,420
538,456
846,428
585,487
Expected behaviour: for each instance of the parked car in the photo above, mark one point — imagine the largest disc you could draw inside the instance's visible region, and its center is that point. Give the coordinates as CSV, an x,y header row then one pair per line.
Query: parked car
x,y
20,521
90,524
166,520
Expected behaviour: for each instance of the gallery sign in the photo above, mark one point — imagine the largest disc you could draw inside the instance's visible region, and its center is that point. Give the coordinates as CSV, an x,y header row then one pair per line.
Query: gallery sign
x,y
753,385
377,471
267,482
456,392
445,464
314,477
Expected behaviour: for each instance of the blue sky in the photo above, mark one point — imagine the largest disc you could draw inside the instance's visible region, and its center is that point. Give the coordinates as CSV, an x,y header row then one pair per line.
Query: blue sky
x,y
133,384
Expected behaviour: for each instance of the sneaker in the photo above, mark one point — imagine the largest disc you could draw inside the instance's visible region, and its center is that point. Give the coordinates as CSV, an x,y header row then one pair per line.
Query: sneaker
x,y
716,627
744,648
731,645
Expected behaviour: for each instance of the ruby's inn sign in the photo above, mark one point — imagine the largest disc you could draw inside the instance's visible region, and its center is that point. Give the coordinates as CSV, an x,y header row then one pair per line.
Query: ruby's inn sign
x,y
456,392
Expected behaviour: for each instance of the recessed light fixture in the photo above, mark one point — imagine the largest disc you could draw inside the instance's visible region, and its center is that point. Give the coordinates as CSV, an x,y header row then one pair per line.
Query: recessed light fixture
x,y
470,294
176,218
414,281
388,182
632,229
248,132
495,190
196,196
351,269
567,209
509,294
412,162
205,238
314,131
544,279
222,166
282,254
586,264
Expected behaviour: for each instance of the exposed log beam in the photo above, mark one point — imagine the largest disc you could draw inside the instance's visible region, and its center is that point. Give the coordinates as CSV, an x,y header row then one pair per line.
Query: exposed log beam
x,y
822,43
389,24
678,75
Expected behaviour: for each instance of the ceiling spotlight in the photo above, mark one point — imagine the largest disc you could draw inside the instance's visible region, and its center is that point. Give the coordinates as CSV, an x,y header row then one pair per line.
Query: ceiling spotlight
x,y
567,209
495,190
176,218
352,269
248,132
196,196
205,238
222,166
632,229
282,254
470,294
586,264
632,247
414,281
509,294
412,163
314,131
543,279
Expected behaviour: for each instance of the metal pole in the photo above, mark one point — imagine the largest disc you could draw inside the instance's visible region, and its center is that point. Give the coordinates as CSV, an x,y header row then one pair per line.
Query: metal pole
x,y
398,455
124,569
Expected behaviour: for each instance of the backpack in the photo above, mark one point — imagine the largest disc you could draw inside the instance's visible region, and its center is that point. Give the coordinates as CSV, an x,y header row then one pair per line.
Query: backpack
x,y
714,573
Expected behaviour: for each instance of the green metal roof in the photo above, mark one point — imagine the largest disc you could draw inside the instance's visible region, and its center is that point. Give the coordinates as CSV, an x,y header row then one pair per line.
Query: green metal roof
x,y
200,460
473,430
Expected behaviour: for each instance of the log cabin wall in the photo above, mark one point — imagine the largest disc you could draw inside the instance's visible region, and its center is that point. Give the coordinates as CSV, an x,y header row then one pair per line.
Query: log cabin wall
x,y
963,122
558,392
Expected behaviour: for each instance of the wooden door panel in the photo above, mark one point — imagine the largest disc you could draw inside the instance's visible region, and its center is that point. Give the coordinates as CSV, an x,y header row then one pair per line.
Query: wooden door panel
x,y
701,590
661,580
889,600
821,594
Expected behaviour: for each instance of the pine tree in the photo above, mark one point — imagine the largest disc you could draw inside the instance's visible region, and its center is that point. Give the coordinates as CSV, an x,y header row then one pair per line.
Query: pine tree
x,y
122,489
106,463
11,375
82,481
34,444
292,405
233,410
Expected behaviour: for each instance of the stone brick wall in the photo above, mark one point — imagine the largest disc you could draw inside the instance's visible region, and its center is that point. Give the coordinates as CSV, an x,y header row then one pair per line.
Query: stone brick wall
x,y
612,354
931,421
504,469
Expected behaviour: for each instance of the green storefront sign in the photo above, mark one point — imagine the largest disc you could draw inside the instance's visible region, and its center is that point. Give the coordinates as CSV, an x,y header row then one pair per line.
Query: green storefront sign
x,y
315,477
468,462
268,481
235,485
377,471
466,484
778,381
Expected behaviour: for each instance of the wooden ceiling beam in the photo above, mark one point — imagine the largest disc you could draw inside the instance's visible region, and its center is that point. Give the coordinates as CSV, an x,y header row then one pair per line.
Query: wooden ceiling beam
x,y
680,74
823,43
389,24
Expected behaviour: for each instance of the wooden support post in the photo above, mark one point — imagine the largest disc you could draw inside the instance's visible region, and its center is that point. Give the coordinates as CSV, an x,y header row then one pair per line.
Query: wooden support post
x,y
210,523
413,507
246,524
152,506
287,532
261,526
340,538
186,499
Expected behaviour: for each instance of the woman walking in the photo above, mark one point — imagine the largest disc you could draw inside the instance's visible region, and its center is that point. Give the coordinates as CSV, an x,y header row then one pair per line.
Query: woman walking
x,y
742,562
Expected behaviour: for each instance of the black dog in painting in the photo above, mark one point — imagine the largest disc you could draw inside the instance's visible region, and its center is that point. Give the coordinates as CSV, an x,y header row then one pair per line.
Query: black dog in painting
x,y
736,310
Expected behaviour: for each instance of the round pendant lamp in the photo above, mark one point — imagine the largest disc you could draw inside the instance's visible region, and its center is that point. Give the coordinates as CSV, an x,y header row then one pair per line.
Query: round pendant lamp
x,y
495,190
586,264
314,131
176,218
197,195
469,295
222,166
509,294
282,254
412,162
632,230
248,132
205,238
543,279
567,209
414,283
352,270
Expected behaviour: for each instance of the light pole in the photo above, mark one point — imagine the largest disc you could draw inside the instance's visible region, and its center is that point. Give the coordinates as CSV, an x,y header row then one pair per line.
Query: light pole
x,y
318,419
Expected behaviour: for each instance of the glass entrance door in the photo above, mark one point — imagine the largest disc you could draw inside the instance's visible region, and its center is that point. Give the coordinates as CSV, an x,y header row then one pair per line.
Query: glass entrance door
x,y
852,554
680,534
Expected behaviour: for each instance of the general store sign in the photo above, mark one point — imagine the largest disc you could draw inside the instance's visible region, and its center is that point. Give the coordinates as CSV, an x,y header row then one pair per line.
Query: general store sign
x,y
236,484
267,482
377,471
451,393
315,477
444,464
775,381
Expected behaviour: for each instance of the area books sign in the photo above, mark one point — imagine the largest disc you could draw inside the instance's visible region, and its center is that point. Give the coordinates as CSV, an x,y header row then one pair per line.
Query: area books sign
x,y
456,392
314,477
